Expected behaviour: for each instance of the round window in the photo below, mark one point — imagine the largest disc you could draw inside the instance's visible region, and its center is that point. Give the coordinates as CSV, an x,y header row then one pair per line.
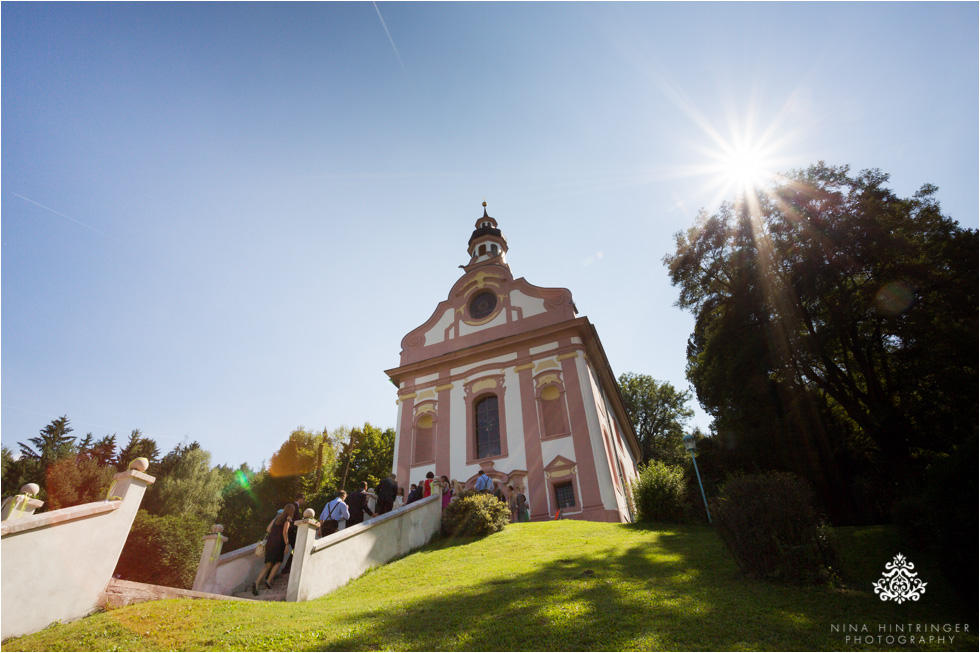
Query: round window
x,y
482,305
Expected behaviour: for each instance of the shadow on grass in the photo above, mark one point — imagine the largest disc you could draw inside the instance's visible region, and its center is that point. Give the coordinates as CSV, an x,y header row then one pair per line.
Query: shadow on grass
x,y
678,589
640,597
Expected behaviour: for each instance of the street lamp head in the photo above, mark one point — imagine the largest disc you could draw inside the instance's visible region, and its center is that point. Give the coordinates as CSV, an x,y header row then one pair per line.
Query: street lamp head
x,y
690,444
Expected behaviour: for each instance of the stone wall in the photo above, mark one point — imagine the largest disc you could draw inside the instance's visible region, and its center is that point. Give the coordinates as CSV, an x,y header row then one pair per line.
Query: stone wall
x,y
120,593
56,565
323,565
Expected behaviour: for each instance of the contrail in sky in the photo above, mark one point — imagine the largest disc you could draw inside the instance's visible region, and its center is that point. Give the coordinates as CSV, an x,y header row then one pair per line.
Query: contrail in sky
x,y
68,217
390,40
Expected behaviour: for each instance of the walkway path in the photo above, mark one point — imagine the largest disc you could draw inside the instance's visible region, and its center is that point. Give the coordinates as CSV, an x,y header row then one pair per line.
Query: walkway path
x,y
277,593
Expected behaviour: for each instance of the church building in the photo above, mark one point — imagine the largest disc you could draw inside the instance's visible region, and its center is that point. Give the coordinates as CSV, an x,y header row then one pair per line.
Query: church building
x,y
504,378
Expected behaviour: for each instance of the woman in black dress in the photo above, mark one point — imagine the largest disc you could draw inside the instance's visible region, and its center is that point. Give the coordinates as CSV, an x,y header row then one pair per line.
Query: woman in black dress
x,y
275,546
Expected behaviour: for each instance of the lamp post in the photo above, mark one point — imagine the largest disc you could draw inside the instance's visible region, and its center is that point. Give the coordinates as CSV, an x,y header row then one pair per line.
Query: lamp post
x,y
692,448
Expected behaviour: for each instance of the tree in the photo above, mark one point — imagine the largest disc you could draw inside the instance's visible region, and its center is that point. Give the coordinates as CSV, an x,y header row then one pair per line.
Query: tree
x,y
242,513
371,456
53,443
303,463
137,446
186,484
73,481
103,450
836,325
9,474
659,414
163,550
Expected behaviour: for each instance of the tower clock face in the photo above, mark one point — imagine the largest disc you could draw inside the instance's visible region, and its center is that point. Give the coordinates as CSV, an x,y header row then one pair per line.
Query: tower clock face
x,y
482,305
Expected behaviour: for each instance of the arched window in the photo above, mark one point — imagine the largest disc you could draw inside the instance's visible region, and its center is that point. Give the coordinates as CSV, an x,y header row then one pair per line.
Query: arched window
x,y
487,428
424,441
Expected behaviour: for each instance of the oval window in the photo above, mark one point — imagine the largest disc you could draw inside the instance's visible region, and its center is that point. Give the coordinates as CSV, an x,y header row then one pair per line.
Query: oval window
x,y
483,305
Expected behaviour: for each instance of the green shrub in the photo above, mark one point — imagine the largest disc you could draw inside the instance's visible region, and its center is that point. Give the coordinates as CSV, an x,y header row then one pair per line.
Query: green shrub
x,y
939,516
768,523
163,550
659,492
475,513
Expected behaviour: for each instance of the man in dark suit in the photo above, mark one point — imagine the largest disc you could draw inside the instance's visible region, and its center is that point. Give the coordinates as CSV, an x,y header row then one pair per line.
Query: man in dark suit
x,y
387,490
357,504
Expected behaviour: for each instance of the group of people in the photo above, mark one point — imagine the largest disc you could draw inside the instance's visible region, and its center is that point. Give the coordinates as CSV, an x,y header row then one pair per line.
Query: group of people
x,y
349,509
515,499
344,510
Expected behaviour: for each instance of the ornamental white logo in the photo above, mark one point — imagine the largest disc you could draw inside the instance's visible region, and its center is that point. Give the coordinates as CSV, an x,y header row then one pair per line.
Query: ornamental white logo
x,y
899,582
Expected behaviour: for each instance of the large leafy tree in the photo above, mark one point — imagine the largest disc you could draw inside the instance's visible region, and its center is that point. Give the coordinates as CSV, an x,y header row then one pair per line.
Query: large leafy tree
x,y
72,481
659,413
186,484
835,322
370,452
303,463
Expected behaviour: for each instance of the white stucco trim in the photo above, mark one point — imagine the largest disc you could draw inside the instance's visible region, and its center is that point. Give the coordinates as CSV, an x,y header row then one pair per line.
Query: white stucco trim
x,y
529,305
590,398
457,431
466,329
437,333
543,348
416,474
398,435
489,361
516,448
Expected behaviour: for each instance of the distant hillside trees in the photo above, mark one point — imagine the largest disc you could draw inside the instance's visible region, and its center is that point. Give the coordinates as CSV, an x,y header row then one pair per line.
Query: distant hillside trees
x,y
69,471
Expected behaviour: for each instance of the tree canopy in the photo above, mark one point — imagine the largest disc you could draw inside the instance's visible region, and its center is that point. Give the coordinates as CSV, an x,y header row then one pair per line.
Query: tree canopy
x,y
186,484
835,325
659,413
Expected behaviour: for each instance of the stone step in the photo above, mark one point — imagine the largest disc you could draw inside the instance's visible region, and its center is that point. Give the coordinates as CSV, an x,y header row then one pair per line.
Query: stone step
x,y
277,593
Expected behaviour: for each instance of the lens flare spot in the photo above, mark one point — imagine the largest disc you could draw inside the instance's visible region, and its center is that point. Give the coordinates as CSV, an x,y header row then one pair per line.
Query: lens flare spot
x,y
894,298
242,479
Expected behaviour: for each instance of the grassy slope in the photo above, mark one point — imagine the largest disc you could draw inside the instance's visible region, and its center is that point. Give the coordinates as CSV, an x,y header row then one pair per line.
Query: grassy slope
x,y
544,586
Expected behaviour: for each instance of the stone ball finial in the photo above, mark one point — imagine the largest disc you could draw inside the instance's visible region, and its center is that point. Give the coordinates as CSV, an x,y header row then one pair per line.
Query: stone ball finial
x,y
217,528
141,464
30,488
309,513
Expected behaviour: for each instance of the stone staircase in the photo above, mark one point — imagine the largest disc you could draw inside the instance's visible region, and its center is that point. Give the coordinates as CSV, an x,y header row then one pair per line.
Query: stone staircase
x,y
277,593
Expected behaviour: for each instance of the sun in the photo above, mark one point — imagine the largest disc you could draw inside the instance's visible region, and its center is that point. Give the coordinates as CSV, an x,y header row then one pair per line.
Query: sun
x,y
745,168
744,164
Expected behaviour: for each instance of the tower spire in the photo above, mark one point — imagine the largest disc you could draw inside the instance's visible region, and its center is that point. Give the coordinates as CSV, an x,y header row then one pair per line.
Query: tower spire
x,y
487,244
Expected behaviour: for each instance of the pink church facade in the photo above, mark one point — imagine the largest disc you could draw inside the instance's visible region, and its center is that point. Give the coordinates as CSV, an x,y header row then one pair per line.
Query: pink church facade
x,y
504,377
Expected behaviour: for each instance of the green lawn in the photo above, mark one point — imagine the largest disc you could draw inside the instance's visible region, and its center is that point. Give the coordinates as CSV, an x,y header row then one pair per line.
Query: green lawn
x,y
544,586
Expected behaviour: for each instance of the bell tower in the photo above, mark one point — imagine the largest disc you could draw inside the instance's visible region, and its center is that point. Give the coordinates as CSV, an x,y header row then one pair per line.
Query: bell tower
x,y
487,245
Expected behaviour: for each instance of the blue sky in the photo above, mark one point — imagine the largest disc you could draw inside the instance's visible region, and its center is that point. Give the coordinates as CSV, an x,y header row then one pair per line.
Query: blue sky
x,y
219,220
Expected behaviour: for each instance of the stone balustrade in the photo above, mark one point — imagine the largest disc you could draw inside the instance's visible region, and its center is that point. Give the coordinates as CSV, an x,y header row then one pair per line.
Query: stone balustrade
x,y
322,565
57,565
